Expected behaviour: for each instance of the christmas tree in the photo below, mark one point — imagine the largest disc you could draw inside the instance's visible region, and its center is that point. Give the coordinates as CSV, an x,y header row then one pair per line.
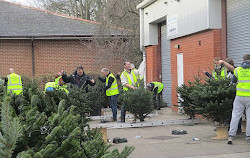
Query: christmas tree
x,y
137,101
10,129
53,124
213,99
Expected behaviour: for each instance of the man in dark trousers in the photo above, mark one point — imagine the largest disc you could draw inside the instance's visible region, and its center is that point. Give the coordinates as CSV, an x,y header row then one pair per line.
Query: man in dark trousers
x,y
79,79
157,88
111,89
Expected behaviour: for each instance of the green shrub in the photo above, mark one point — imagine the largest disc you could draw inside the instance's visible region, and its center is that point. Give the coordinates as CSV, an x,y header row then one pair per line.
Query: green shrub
x,y
212,99
185,98
139,102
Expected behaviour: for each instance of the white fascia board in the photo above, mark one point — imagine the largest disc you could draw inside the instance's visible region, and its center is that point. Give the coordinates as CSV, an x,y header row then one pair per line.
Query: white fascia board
x,y
144,4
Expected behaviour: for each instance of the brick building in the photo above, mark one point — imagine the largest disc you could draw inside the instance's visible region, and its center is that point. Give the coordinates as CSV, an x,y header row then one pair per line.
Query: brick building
x,y
38,42
179,38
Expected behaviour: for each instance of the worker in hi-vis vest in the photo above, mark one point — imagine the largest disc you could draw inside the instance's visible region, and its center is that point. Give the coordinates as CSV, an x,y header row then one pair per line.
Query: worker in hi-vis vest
x,y
111,89
129,81
14,83
58,84
157,88
221,70
242,99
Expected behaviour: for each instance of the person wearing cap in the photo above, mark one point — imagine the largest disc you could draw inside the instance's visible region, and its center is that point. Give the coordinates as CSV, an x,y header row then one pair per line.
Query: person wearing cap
x,y
111,89
79,79
157,88
14,83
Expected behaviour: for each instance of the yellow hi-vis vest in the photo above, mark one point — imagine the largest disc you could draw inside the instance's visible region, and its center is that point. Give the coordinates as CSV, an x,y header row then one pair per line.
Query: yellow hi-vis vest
x,y
125,73
243,86
63,86
57,80
159,85
223,73
113,90
50,86
14,84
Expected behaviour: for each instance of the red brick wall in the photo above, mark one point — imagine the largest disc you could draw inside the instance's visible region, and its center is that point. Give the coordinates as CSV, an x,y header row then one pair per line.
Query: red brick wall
x,y
16,54
53,55
153,66
195,57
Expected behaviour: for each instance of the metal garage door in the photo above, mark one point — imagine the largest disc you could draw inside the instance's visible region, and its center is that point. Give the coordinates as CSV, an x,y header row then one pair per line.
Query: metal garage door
x,y
166,65
238,29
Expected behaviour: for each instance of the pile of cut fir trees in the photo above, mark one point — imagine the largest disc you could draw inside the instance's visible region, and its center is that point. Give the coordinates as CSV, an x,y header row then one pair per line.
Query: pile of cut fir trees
x,y
53,124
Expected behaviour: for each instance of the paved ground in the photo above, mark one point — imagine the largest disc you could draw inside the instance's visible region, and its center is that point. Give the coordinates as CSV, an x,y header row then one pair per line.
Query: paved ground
x,y
158,142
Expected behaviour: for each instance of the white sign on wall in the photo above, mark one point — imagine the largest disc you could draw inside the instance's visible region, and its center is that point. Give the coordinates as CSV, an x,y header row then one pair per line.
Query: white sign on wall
x,y
172,26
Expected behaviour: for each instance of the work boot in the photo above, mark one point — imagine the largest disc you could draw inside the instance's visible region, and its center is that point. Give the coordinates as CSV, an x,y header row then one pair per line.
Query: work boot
x,y
230,140
113,120
122,119
248,141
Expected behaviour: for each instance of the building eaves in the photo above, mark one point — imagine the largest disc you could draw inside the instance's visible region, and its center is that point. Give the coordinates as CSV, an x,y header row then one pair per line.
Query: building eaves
x,y
144,4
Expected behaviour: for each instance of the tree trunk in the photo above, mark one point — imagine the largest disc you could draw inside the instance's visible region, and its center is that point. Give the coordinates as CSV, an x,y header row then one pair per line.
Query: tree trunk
x,y
81,8
71,8
86,10
76,10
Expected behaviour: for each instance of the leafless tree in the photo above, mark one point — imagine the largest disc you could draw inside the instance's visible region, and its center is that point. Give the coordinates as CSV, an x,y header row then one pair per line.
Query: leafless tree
x,y
75,8
119,16
114,15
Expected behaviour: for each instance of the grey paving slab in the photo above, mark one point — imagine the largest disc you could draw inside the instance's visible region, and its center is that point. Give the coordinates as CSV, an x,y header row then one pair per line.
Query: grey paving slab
x,y
158,142
235,155
177,146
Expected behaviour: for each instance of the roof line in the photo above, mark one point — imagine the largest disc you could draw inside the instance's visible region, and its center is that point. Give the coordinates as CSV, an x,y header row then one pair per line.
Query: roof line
x,y
144,4
63,37
53,13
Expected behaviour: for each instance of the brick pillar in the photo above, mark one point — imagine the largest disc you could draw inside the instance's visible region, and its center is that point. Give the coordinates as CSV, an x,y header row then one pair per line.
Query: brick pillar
x,y
152,60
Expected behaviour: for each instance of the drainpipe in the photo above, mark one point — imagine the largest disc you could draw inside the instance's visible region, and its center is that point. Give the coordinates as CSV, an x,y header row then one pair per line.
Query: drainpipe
x,y
142,43
33,56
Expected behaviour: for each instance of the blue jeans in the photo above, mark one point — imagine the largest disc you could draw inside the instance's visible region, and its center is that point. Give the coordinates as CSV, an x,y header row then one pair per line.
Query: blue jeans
x,y
113,105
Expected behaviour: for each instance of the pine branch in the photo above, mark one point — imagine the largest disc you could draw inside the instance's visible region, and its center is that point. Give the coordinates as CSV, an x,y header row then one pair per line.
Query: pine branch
x,y
11,129
115,153
126,151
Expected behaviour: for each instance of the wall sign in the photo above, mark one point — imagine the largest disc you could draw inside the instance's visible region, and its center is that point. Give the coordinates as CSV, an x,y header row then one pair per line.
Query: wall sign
x,y
172,26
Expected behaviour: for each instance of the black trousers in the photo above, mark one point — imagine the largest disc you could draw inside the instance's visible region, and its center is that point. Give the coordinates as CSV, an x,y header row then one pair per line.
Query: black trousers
x,y
157,100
